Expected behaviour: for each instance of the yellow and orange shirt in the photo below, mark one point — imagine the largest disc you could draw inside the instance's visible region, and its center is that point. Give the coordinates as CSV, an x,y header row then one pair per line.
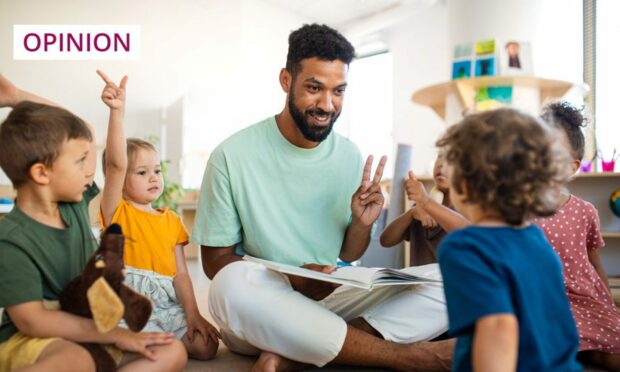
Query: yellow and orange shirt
x,y
150,238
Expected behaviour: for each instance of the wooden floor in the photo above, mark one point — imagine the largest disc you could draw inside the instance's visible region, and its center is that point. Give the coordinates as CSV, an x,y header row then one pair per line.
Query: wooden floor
x,y
226,360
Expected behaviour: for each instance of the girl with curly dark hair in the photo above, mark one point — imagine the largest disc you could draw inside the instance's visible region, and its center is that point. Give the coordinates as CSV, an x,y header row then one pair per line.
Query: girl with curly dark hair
x,y
574,233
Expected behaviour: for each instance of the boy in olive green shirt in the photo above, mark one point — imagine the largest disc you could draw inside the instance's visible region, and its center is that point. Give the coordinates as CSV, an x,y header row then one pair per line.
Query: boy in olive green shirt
x,y
49,156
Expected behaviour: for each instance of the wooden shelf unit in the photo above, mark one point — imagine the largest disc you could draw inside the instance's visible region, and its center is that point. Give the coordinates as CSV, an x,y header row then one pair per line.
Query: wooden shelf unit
x,y
596,188
610,235
436,96
598,175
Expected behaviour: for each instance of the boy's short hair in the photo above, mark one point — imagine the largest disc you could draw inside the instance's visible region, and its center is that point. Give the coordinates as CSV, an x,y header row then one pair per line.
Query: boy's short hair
x,y
35,133
133,145
508,161
571,120
320,41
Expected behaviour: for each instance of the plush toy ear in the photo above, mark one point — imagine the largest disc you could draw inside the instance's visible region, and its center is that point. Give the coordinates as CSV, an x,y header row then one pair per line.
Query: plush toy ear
x,y
137,308
105,305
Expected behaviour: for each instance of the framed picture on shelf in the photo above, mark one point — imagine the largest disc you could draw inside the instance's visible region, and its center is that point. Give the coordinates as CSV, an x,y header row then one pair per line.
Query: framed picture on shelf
x,y
484,47
492,97
485,66
463,51
516,58
461,69
462,61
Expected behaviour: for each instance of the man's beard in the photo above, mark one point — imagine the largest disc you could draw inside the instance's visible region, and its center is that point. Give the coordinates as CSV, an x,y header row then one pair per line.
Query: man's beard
x,y
310,132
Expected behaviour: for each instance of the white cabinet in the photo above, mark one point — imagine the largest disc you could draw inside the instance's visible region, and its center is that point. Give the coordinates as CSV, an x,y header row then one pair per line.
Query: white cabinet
x,y
597,188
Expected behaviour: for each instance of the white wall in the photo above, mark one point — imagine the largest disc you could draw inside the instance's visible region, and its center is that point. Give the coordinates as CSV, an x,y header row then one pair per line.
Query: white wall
x,y
422,48
226,54
242,88
224,57
421,55
554,27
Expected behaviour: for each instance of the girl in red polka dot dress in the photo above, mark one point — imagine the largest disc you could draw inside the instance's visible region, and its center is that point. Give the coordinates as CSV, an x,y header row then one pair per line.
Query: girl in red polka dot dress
x,y
574,234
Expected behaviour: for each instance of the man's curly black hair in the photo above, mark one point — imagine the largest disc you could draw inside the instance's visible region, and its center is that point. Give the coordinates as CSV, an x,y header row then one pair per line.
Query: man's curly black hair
x,y
570,119
320,41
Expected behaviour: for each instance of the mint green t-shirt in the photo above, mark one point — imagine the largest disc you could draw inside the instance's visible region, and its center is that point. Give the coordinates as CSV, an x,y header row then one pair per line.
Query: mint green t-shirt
x,y
37,261
277,201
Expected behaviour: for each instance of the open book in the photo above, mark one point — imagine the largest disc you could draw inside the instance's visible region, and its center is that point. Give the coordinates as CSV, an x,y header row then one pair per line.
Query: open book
x,y
356,276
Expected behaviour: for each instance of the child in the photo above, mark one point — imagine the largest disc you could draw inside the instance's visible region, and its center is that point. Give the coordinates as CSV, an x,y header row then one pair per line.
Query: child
x,y
46,240
573,232
503,282
427,222
154,253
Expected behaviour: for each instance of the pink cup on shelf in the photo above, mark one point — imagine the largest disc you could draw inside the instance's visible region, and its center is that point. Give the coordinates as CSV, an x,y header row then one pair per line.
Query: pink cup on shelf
x,y
608,166
586,166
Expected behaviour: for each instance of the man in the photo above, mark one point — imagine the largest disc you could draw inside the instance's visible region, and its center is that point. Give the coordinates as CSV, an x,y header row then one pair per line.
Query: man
x,y
289,190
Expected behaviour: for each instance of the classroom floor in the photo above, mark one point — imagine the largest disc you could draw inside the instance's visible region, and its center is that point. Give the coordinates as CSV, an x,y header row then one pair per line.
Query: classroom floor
x,y
226,360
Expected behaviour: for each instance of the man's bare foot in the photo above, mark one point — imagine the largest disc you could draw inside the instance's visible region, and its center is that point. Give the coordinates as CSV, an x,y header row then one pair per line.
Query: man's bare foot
x,y
270,362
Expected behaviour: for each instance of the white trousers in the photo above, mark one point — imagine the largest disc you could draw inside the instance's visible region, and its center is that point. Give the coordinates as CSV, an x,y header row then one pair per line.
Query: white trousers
x,y
257,309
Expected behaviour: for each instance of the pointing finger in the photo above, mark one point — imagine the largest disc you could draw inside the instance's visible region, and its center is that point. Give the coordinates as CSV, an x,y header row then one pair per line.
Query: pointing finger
x,y
105,78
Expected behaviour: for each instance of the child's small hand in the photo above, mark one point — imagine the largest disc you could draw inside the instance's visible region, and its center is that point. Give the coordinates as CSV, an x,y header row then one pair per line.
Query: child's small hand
x,y
415,189
139,342
113,96
425,219
196,323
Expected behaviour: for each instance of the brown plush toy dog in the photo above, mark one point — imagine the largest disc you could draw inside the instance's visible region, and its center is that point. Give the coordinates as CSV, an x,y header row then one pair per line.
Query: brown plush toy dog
x,y
99,293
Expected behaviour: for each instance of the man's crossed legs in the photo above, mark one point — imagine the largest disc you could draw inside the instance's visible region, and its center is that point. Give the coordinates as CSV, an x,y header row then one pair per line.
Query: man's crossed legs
x,y
259,313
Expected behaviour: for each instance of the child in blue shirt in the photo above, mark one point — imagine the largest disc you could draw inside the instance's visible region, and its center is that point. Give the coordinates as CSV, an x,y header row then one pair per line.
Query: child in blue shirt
x,y
503,281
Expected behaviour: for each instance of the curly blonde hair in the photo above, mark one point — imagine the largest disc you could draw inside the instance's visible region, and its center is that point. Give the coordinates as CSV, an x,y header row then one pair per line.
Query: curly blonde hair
x,y
133,145
508,162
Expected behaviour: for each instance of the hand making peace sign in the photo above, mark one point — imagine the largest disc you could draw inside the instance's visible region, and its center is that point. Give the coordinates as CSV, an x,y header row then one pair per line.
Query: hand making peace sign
x,y
112,95
367,202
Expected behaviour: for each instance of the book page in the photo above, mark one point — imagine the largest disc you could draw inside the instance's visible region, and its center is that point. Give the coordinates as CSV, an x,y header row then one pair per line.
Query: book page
x,y
356,276
357,273
292,270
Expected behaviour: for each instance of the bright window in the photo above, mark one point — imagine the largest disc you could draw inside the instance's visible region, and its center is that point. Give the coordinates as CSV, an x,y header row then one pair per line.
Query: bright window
x,y
366,118
607,77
